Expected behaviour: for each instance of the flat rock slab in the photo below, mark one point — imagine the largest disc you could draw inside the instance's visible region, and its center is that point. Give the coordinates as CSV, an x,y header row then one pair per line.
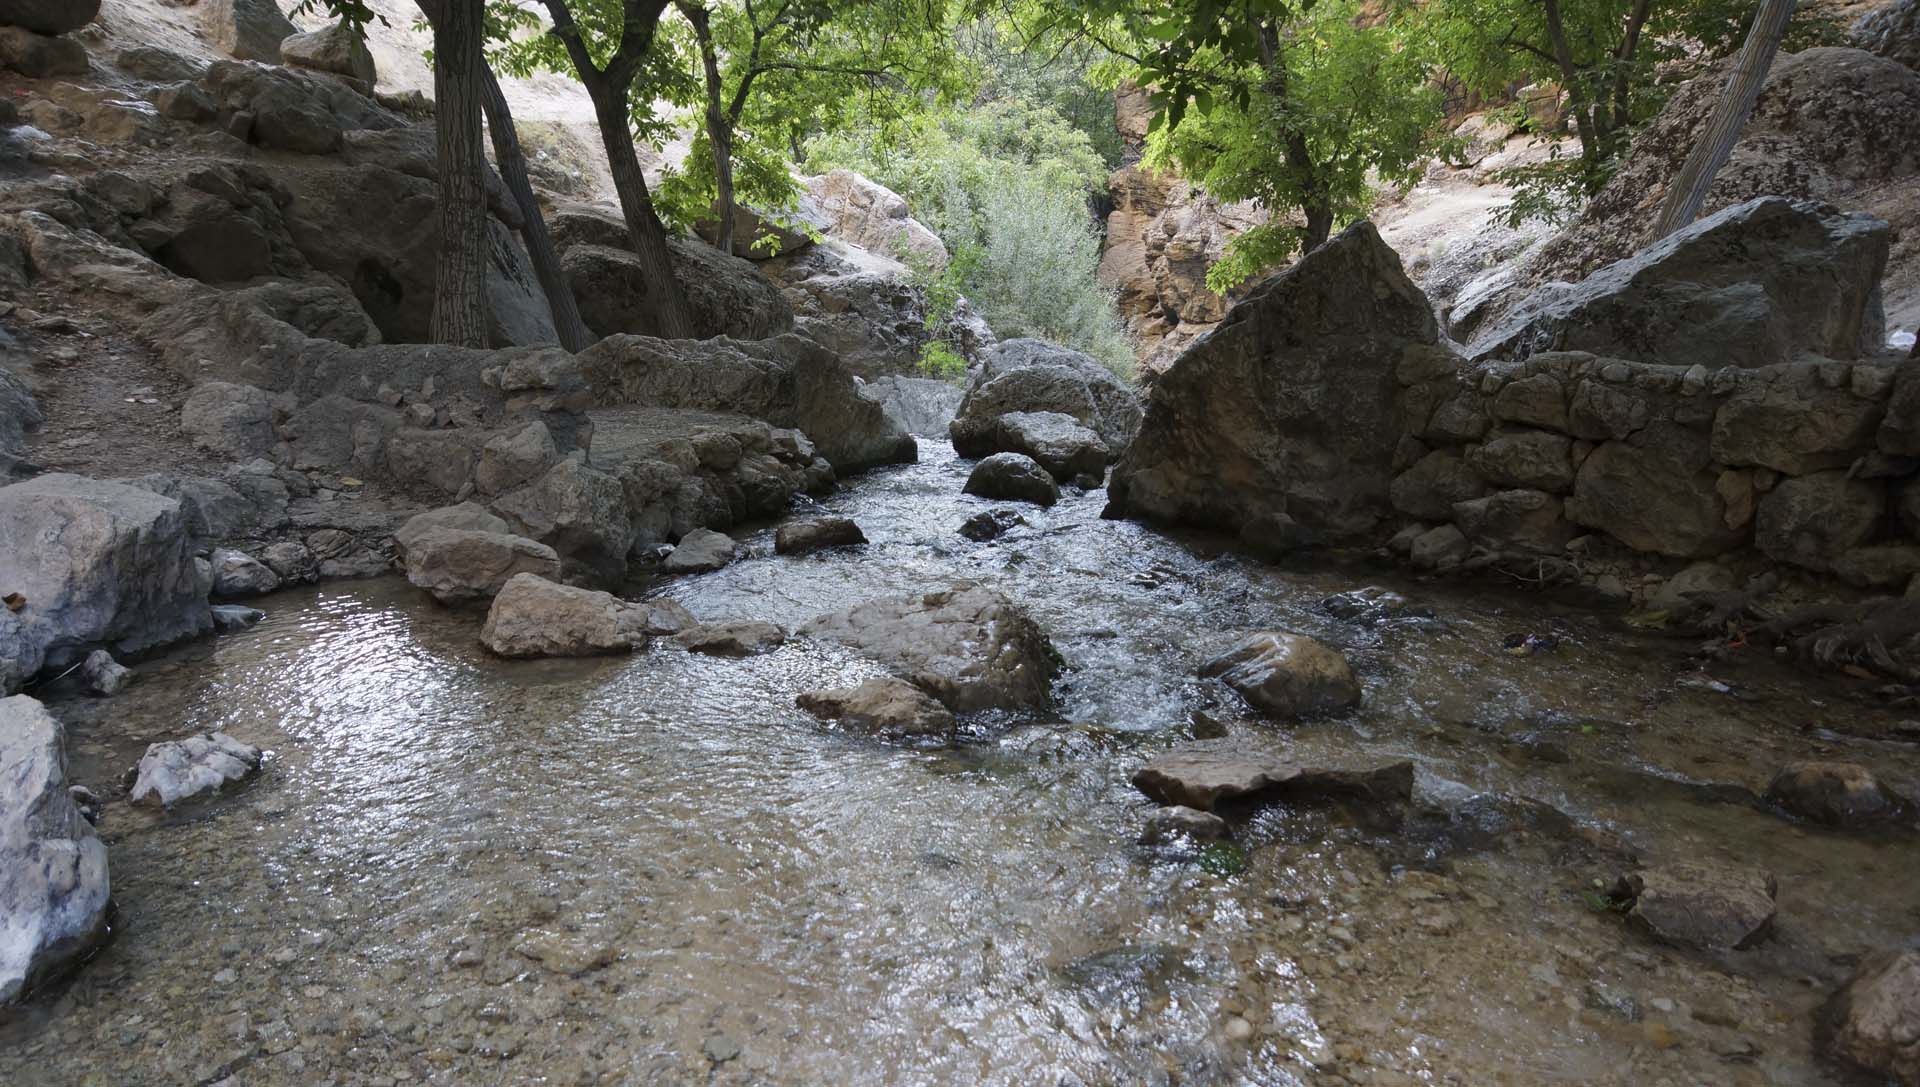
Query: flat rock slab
x,y
743,639
884,707
181,769
1712,907
1205,780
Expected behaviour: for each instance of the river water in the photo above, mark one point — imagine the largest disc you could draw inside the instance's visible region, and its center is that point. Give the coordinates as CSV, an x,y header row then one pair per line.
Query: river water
x,y
655,870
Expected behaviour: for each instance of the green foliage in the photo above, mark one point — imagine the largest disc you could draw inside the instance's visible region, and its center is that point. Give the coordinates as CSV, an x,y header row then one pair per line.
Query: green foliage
x,y
939,360
1060,77
1553,191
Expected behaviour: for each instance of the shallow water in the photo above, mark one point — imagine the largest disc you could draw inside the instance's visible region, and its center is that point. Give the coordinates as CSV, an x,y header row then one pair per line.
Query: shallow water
x,y
655,870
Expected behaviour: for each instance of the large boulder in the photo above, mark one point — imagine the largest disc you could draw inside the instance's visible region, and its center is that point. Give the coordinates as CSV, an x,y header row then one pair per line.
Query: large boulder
x,y
48,16
922,406
873,311
788,381
1768,281
728,296
968,646
856,209
1013,477
578,511
1874,1023
1067,450
247,29
1027,375
94,563
1283,421
461,565
54,899
1287,675
41,56
1655,491
534,617
335,48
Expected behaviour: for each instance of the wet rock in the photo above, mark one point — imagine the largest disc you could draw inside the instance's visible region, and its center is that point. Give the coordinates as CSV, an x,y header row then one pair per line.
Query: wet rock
x,y
1712,907
815,534
991,524
1205,780
335,49
968,646
884,707
182,769
665,616
1751,285
1439,548
1874,1023
1840,794
232,420
1287,675
97,564
1372,605
1067,450
534,617
1034,376
458,566
745,638
1286,415
246,29
49,16
291,561
236,573
701,551
103,675
1179,823
1812,520
56,893
38,56
232,618
1013,477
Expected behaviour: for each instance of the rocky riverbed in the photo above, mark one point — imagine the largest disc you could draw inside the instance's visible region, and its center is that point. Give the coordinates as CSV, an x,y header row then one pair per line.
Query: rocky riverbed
x,y
657,869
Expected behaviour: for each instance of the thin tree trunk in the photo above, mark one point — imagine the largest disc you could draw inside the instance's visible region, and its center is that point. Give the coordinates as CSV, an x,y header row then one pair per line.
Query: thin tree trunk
x,y
512,163
460,272
1298,155
719,130
1688,192
1586,121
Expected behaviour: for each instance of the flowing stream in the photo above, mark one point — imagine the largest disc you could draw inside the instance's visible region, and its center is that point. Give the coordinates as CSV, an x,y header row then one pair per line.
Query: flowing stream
x,y
655,870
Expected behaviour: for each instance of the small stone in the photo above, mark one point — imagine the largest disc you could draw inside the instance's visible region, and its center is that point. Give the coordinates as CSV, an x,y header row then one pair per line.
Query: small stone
x,y
889,707
799,537
748,638
720,1049
991,524
1838,794
231,618
1177,822
701,551
105,676
178,770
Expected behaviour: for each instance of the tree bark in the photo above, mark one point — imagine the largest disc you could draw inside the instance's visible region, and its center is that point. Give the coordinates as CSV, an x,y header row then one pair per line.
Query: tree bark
x,y
719,129
1688,192
608,88
512,163
1298,155
460,271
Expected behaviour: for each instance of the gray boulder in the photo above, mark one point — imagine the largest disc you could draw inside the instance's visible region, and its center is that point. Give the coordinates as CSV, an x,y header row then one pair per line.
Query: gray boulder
x,y
742,638
816,534
701,551
1067,450
48,16
578,511
1707,906
534,617
968,646
1891,30
98,564
922,406
1874,1023
1430,488
246,29
1287,675
1813,520
1282,422
883,707
236,573
1013,477
20,414
334,48
232,420
509,460
56,892
467,516
1027,375
1763,282
183,769
103,675
728,295
1655,491
461,565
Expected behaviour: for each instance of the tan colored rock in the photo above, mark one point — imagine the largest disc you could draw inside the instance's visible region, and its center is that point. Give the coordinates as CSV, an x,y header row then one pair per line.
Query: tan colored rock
x,y
1287,675
884,707
534,617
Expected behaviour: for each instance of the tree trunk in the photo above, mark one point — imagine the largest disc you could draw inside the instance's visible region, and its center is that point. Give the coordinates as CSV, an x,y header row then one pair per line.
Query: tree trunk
x,y
674,318
719,130
460,272
546,261
1688,192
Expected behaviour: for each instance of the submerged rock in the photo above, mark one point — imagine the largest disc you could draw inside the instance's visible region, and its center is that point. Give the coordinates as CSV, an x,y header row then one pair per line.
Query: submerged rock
x,y
181,769
1177,822
1874,1023
1287,675
968,646
745,638
1712,907
799,537
1373,604
1204,780
229,618
701,551
1013,477
991,524
1839,794
462,565
665,616
884,707
55,896
534,617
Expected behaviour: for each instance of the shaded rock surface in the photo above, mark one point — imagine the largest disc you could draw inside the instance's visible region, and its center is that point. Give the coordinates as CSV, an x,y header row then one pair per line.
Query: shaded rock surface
x,y
461,565
1839,794
1874,1023
56,892
740,638
815,534
701,551
1179,822
1029,375
1013,477
968,646
182,769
